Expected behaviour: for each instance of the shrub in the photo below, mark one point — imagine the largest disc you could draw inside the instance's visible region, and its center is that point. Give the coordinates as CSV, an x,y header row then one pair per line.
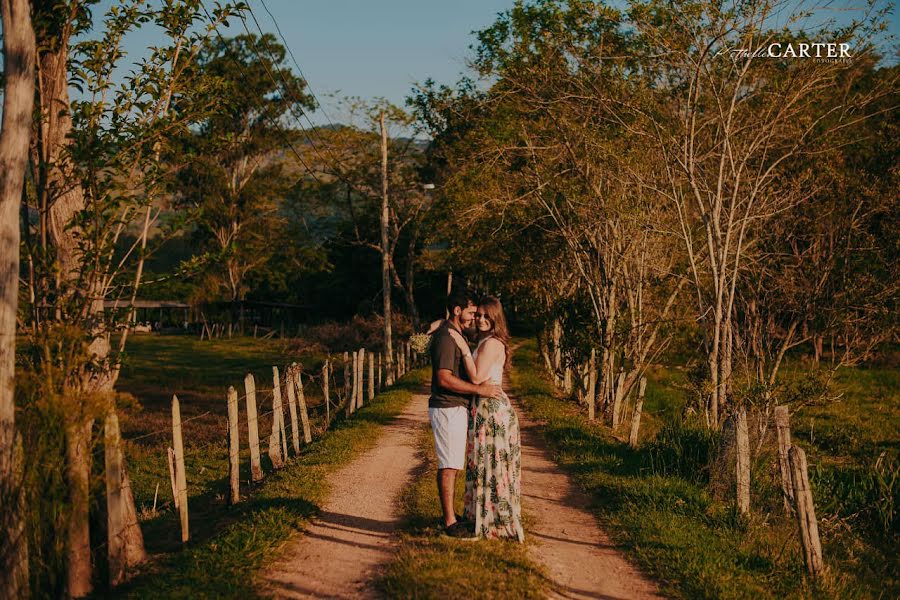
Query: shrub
x,y
685,449
865,495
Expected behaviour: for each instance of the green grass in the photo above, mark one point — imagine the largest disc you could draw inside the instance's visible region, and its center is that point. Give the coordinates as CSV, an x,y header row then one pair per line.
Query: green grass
x,y
691,542
429,566
223,564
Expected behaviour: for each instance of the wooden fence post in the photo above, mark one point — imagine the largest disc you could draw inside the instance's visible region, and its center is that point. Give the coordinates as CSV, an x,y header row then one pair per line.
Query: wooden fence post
x,y
617,400
592,385
125,542
806,512
378,373
293,372
256,472
301,399
277,417
360,387
371,376
172,477
325,386
351,398
783,430
234,447
742,457
636,418
180,476
347,367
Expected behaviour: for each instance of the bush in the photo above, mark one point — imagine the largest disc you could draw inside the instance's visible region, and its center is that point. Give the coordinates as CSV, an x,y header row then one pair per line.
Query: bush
x,y
865,495
684,449
361,332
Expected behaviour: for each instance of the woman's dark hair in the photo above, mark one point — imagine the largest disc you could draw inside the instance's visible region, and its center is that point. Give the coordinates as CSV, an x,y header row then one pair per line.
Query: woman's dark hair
x,y
493,310
460,297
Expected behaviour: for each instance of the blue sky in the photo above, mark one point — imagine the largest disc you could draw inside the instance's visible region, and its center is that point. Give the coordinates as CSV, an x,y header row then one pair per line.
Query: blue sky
x,y
382,48
365,48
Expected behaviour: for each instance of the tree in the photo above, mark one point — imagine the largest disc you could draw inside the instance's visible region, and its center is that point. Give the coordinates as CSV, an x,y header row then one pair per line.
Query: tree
x,y
731,128
351,181
236,173
95,174
547,151
18,103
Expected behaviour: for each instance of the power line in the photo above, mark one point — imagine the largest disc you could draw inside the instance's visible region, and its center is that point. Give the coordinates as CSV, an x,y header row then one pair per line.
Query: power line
x,y
336,163
296,64
272,121
296,105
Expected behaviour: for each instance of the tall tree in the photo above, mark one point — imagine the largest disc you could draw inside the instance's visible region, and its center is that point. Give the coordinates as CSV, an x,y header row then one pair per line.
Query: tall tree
x,y
238,166
95,176
18,103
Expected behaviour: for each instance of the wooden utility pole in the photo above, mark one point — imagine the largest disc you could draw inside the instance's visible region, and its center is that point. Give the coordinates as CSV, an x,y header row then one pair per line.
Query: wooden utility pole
x,y
18,104
385,250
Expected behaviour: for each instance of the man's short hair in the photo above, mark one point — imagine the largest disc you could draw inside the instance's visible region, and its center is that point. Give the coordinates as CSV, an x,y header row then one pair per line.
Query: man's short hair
x,y
460,297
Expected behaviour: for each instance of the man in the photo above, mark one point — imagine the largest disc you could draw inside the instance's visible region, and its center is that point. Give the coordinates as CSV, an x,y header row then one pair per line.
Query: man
x,y
448,406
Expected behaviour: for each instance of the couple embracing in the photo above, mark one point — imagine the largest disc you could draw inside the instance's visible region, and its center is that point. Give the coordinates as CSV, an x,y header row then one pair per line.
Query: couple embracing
x,y
475,427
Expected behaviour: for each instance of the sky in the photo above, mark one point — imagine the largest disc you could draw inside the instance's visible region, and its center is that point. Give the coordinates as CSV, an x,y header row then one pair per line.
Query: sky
x,y
377,48
365,48
371,48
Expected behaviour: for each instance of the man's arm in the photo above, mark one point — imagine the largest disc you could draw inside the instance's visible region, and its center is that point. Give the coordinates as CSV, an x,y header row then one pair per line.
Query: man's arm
x,y
447,380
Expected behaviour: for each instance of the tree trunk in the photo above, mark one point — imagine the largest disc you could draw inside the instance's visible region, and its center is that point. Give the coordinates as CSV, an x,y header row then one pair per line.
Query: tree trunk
x,y
65,198
18,103
385,255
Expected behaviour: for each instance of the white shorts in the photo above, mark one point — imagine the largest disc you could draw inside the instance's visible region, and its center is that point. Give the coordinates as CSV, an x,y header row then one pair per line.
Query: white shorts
x,y
450,427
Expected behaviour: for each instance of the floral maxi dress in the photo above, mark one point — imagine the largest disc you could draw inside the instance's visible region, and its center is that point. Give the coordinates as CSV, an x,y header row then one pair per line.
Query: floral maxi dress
x,y
494,467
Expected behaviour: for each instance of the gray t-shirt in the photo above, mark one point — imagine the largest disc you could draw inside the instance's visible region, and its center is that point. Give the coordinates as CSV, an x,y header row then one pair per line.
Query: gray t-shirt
x,y
445,354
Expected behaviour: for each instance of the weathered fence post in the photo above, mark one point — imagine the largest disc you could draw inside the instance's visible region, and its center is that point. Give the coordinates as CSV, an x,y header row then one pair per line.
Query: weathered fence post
x,y
378,372
371,376
292,372
783,431
806,512
592,385
234,448
256,473
347,367
636,417
617,399
277,417
557,351
351,398
742,457
125,542
180,476
172,477
325,386
360,387
301,399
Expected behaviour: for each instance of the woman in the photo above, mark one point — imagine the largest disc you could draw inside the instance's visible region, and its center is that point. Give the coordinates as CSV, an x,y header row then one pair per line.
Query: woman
x,y
494,453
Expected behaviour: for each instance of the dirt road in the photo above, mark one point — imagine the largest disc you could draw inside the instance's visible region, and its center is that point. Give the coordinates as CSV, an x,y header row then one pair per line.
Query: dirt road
x,y
343,548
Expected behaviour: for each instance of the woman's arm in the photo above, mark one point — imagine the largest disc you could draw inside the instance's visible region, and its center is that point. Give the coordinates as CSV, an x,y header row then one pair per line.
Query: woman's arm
x,y
468,361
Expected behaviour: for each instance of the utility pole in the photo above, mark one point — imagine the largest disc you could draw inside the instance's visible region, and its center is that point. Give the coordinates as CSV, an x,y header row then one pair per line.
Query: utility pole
x,y
385,249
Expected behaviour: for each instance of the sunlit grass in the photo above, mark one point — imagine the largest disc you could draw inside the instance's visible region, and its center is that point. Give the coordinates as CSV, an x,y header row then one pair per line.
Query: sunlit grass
x,y
692,543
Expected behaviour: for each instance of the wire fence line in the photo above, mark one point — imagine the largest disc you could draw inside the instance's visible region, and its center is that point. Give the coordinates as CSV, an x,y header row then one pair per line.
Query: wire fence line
x,y
351,383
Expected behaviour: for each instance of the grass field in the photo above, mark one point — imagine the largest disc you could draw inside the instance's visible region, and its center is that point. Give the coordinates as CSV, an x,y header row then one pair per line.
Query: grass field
x,y
691,540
